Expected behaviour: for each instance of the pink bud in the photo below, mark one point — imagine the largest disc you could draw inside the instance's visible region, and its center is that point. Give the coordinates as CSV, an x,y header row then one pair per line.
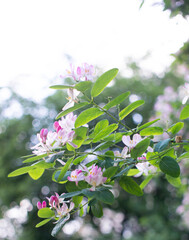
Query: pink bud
x,y
43,134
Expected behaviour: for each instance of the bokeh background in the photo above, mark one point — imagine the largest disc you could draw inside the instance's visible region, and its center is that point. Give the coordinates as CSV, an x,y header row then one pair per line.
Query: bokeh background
x,y
148,42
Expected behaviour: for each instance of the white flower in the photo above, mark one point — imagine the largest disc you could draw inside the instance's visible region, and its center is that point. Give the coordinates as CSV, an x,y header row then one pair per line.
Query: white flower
x,y
72,98
145,168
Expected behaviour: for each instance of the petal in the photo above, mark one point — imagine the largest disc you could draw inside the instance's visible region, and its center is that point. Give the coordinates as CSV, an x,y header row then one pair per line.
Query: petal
x,y
126,140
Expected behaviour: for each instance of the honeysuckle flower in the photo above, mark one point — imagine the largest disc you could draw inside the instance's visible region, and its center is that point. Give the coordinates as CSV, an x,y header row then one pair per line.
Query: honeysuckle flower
x,y
85,72
132,143
41,205
64,210
186,92
55,200
68,123
47,146
43,134
72,98
76,175
124,153
145,168
95,177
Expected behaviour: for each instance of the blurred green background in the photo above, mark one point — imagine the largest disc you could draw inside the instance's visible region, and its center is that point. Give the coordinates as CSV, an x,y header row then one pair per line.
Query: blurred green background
x,y
153,216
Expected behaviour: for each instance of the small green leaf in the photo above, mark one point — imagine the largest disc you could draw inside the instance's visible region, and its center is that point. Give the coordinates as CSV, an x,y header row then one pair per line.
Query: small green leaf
x,y
160,146
20,171
74,108
130,186
175,128
169,166
184,113
65,169
87,116
77,200
59,225
33,159
109,172
132,172
43,222
130,108
116,100
100,126
176,182
140,148
97,210
106,131
45,213
146,181
83,86
79,159
103,81
104,195
151,131
36,173
147,124
124,171
59,87
71,194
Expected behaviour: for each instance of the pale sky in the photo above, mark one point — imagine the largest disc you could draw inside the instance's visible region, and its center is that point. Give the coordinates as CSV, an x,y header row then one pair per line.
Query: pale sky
x,y
37,35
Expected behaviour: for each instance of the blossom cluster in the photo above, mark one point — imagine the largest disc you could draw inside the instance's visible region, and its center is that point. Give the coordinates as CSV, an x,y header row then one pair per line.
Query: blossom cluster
x,y
50,140
143,167
58,204
85,72
93,176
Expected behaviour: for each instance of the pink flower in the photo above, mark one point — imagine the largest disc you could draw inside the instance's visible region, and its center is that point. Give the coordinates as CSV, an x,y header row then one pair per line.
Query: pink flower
x,y
43,134
64,210
41,205
95,177
54,200
76,175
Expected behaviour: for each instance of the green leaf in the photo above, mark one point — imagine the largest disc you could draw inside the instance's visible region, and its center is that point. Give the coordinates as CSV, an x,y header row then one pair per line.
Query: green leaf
x,y
176,182
104,195
43,222
20,171
184,113
71,186
160,146
59,225
125,170
45,213
130,186
59,87
103,146
140,148
97,210
71,194
132,172
175,128
83,86
100,125
184,156
42,164
151,131
64,179
109,172
74,108
116,100
146,181
36,173
106,131
103,81
130,108
147,124
77,200
169,166
79,159
33,159
65,169
87,116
